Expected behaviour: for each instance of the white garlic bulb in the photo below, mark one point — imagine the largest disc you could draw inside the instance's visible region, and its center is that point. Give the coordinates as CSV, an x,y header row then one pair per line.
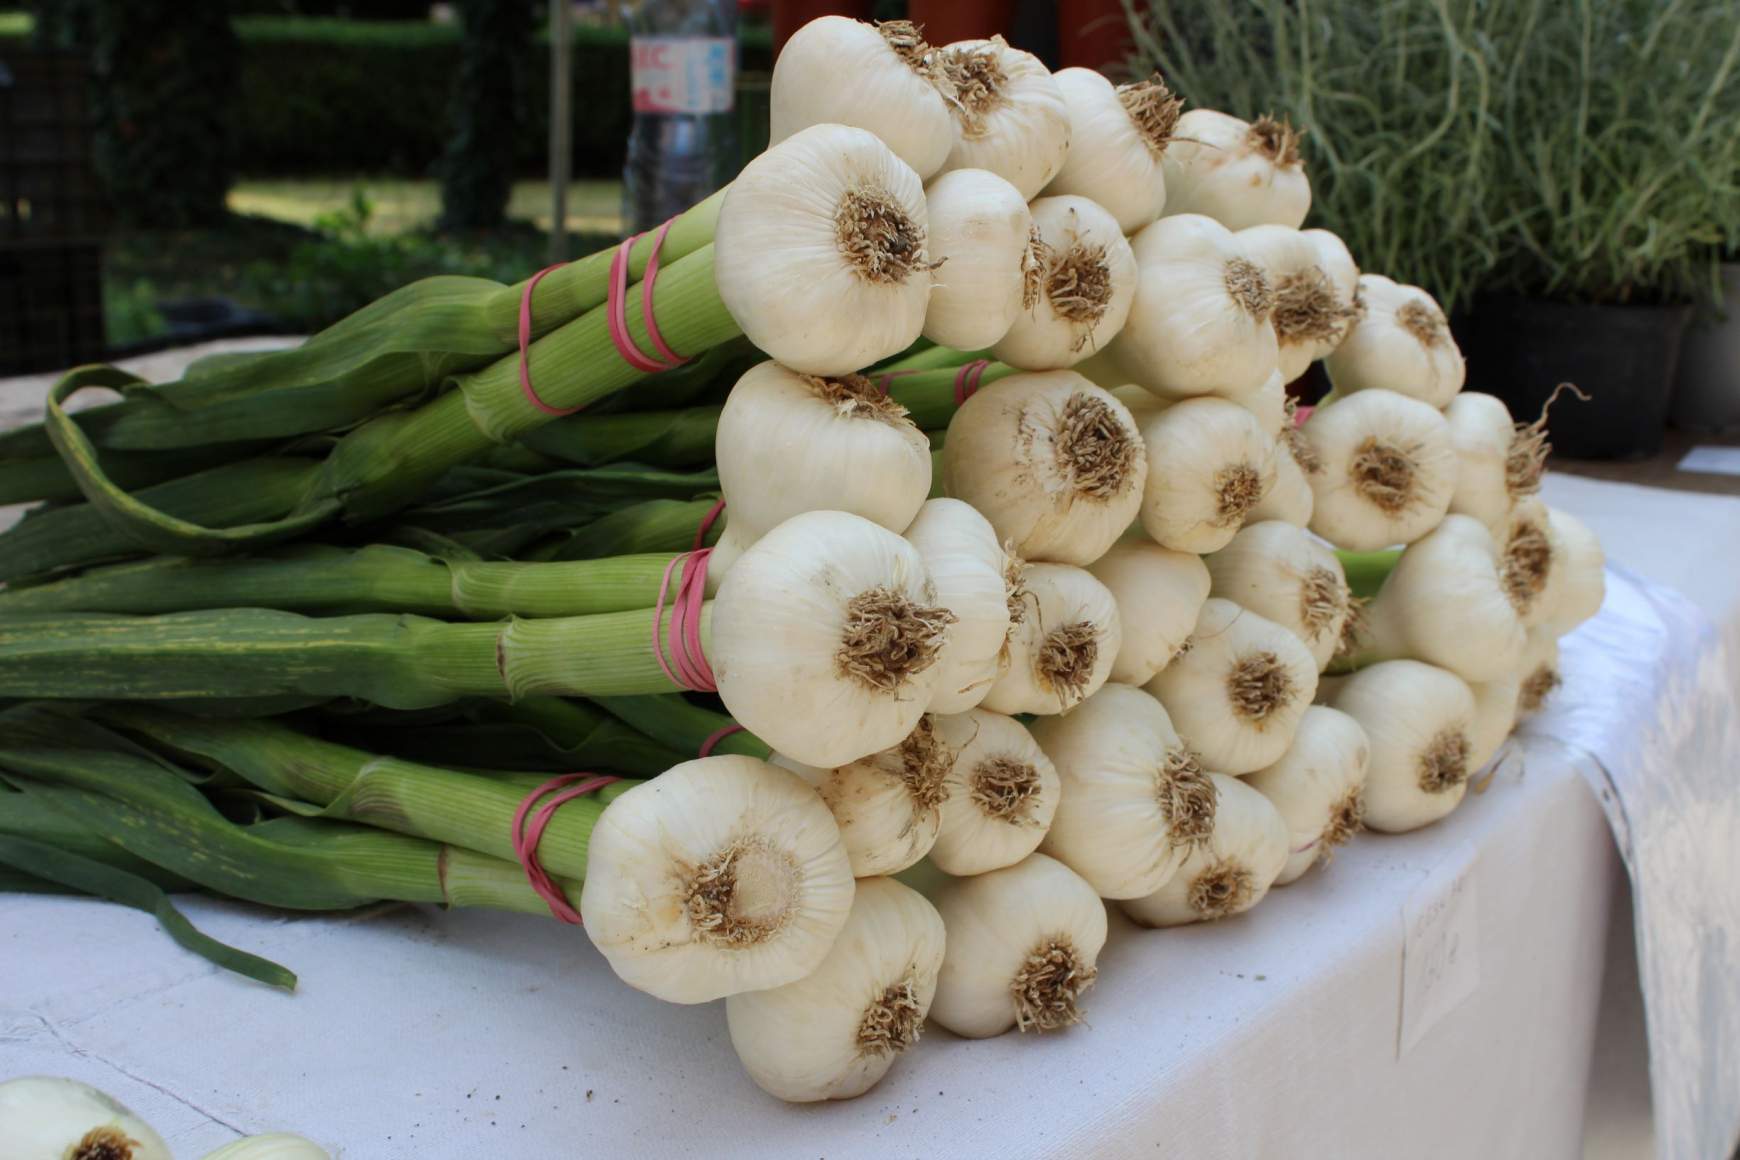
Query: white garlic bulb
x,y
1002,794
54,1118
1082,284
1135,799
1237,173
1495,715
981,232
1538,673
1314,280
825,638
1116,139
1200,323
1267,405
834,1033
1481,433
1054,462
1530,561
892,89
720,875
1582,566
1159,594
972,575
272,1146
1209,463
1290,500
1009,114
1418,720
1065,637
1318,787
1386,470
1401,342
1023,944
1236,693
1230,871
1281,572
819,253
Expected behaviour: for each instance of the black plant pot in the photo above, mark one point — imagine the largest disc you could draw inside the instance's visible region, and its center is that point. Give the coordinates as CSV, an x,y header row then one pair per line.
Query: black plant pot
x,y
1622,357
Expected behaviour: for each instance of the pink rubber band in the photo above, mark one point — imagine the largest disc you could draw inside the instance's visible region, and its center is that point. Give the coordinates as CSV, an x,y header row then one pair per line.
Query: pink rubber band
x,y
687,666
707,525
885,380
616,309
526,837
716,737
526,342
967,380
1300,414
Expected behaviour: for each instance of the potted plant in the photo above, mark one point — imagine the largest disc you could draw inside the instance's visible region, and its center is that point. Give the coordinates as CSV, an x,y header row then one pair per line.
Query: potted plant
x,y
1560,175
1707,393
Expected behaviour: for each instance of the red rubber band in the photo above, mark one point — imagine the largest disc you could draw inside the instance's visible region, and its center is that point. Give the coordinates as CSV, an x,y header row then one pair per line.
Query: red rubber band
x,y
616,310
687,666
526,342
967,380
526,837
716,737
707,525
886,379
1300,414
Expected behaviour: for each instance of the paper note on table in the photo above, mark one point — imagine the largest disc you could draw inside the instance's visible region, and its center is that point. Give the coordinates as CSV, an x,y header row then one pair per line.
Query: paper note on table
x,y
1440,947
1712,460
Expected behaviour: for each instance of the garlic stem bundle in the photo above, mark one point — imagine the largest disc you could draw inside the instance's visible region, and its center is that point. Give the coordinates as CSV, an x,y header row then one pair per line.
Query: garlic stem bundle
x,y
1481,434
1281,572
825,638
819,254
1002,794
1539,672
1290,499
981,232
1159,594
1065,636
1495,716
1135,799
1200,323
887,805
1117,137
1209,463
1386,470
1238,690
1447,602
1081,284
1318,787
1314,280
1582,567
973,576
834,1033
1054,462
1418,720
789,443
721,875
1230,871
874,77
1023,943
1401,342
1009,113
63,1119
271,1146
1237,173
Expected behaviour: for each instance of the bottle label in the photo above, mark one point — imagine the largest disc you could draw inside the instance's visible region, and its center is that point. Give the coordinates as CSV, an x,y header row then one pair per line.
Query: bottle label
x,y
682,74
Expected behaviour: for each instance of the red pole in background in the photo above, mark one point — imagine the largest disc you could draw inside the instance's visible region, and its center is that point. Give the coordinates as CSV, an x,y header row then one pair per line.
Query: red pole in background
x,y
946,21
1093,34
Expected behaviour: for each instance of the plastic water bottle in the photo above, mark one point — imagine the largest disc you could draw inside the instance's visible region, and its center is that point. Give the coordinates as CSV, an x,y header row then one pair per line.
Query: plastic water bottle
x,y
683,74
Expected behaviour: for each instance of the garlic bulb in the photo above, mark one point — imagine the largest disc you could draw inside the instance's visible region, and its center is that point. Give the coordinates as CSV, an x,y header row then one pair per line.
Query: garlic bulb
x,y
1054,462
790,443
1281,572
1531,554
1539,672
1495,715
1582,567
721,875
1386,470
1061,647
887,804
1200,323
1318,787
825,638
1481,434
972,576
1238,689
1209,463
1267,405
1230,871
982,232
819,253
63,1119
1135,800
1291,499
1239,174
1082,283
1418,720
874,77
1159,594
1314,280
1009,114
1401,342
1002,794
834,1033
1023,942
1116,139
272,1146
